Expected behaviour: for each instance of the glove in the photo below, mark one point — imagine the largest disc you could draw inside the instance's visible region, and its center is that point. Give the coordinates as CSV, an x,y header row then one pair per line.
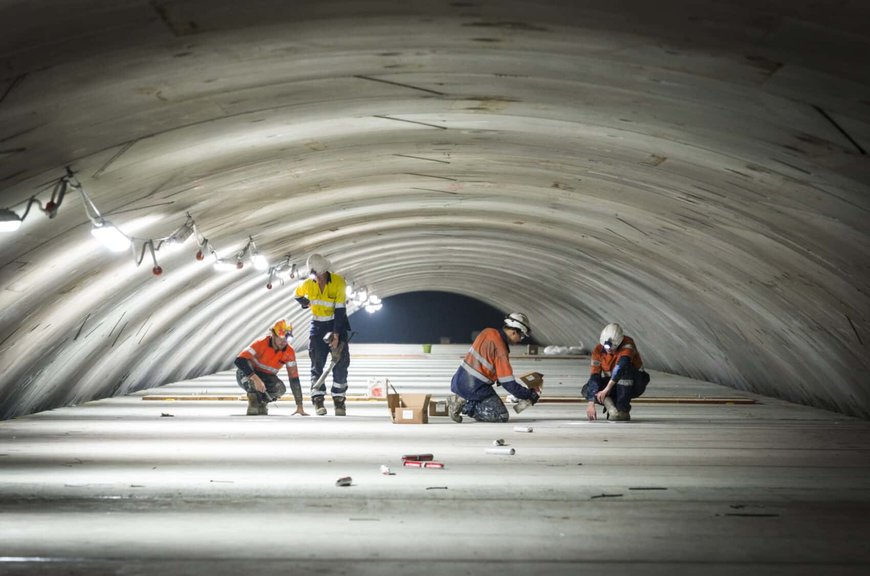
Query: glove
x,y
304,302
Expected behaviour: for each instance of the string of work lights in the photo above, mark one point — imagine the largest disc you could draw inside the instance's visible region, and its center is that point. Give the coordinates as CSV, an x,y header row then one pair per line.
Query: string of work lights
x,y
117,241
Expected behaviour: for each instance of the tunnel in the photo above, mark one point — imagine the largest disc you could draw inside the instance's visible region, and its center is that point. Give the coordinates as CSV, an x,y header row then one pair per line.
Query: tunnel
x,y
694,170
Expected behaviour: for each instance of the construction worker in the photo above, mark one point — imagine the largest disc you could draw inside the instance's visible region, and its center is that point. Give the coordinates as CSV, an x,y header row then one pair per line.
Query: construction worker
x,y
488,364
617,375
324,293
258,367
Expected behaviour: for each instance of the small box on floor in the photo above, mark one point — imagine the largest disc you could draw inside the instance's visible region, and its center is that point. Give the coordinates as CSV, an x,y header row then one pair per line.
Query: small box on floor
x,y
438,407
409,408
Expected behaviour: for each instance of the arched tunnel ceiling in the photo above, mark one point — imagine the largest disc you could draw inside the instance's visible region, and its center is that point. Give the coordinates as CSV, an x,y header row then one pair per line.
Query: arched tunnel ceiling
x,y
695,170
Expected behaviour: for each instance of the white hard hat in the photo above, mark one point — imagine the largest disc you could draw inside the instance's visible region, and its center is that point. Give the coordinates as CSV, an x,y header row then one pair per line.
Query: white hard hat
x,y
519,321
612,334
317,263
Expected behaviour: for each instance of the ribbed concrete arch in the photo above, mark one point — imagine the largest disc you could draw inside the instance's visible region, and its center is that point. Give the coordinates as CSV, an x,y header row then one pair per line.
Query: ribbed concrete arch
x,y
694,170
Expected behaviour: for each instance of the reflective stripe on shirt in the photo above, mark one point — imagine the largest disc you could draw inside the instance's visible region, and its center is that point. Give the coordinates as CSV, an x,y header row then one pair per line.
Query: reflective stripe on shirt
x,y
262,367
475,373
481,359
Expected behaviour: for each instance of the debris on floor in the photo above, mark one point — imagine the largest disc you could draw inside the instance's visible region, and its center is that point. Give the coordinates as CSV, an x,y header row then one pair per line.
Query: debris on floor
x,y
523,429
418,464
344,481
385,470
499,442
501,450
418,457
167,415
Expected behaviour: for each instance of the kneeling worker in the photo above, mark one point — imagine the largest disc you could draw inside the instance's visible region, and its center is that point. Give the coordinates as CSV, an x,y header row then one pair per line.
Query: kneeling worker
x,y
617,375
485,365
258,367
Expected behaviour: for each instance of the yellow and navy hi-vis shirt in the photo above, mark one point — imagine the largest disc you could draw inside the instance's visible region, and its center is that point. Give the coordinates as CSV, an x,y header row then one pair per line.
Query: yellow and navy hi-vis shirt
x,y
328,306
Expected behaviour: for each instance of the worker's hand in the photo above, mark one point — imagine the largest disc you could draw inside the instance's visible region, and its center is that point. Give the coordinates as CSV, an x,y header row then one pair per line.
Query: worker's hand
x,y
258,384
591,413
600,396
300,411
333,342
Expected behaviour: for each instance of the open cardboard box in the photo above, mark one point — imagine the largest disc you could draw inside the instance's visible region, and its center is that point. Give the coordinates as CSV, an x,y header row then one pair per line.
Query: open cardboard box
x,y
409,408
533,380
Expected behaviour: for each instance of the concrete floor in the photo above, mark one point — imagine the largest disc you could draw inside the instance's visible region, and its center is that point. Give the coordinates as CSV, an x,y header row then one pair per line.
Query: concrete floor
x,y
135,486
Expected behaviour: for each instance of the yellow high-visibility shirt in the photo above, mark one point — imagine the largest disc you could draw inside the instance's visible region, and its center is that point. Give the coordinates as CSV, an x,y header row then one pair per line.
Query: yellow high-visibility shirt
x,y
324,303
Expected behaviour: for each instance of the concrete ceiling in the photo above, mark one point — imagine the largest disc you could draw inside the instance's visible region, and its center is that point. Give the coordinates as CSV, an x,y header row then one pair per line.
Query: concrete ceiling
x,y
695,170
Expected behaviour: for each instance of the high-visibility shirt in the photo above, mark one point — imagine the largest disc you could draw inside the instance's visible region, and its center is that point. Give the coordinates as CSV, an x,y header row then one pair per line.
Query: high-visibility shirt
x,y
488,363
488,359
328,306
604,362
264,358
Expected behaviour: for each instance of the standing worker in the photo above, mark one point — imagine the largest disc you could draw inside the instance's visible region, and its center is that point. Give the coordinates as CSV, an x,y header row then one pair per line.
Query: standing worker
x,y
485,365
324,293
258,367
617,375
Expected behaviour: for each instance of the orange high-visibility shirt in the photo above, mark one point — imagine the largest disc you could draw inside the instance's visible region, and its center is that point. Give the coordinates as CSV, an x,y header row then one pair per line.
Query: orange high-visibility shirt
x,y
264,358
604,361
488,359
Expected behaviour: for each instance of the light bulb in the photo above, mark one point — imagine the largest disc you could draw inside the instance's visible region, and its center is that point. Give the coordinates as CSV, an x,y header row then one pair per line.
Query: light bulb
x,y
260,262
110,237
9,220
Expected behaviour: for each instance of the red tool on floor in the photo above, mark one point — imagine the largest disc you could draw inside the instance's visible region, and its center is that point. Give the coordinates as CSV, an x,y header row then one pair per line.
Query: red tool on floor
x,y
419,464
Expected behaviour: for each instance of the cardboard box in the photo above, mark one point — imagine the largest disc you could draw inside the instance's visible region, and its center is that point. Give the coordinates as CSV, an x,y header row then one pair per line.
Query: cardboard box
x,y
533,350
438,407
409,408
533,380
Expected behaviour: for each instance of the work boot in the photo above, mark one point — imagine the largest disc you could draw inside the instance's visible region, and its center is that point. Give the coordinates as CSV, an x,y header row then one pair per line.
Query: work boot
x,y
621,416
319,408
455,404
339,405
264,409
610,407
253,404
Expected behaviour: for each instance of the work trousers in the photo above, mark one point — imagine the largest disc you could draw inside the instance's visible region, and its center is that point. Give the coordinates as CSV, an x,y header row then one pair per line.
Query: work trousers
x,y
482,402
490,409
632,383
318,353
275,388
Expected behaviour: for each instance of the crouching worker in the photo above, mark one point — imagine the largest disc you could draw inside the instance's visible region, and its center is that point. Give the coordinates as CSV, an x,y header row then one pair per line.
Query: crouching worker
x,y
486,365
258,367
617,375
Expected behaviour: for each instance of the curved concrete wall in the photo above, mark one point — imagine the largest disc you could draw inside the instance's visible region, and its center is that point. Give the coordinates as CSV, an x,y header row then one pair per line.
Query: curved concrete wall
x,y
693,170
